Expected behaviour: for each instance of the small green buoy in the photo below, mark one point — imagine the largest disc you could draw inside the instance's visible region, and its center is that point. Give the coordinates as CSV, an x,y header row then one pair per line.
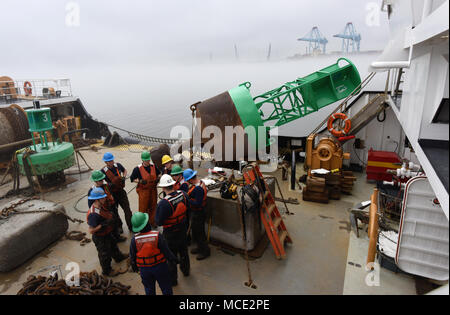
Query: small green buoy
x,y
45,158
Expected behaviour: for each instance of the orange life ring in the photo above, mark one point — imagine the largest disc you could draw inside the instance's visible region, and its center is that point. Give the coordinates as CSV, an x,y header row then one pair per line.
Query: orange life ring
x,y
27,88
340,133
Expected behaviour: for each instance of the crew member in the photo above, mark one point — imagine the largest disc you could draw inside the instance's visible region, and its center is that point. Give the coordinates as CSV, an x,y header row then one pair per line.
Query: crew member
x,y
177,175
197,202
146,176
115,176
101,225
98,178
167,164
171,214
149,254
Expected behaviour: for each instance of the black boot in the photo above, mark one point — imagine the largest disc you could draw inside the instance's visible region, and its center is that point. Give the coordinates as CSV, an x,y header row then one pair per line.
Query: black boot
x,y
203,256
195,251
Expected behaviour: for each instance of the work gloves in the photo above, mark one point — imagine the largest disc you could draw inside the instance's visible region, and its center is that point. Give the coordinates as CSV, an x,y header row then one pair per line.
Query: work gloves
x,y
143,182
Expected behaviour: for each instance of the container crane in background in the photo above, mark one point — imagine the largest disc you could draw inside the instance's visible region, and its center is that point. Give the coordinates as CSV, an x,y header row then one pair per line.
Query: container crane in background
x,y
350,38
316,40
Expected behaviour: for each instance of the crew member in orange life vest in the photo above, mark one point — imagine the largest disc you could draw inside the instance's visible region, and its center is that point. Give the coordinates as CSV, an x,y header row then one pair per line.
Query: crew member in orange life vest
x,y
177,175
115,176
171,214
101,225
197,202
149,254
98,178
146,176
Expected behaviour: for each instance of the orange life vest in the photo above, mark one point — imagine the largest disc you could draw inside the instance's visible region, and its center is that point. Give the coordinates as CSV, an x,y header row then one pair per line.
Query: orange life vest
x,y
148,254
205,190
104,214
149,177
178,204
180,181
116,179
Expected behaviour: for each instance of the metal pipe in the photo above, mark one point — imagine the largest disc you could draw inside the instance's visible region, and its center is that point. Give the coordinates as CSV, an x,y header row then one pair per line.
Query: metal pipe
x,y
68,133
13,144
293,169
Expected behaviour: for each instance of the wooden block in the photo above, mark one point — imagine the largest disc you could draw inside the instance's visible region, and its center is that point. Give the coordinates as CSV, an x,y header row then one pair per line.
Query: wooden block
x,y
315,196
335,194
316,184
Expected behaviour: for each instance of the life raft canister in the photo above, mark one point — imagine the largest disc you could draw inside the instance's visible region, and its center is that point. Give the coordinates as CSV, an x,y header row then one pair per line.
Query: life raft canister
x,y
339,133
27,88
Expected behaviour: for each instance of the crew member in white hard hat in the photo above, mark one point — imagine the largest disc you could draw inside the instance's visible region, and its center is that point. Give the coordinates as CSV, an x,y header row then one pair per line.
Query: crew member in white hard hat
x,y
171,214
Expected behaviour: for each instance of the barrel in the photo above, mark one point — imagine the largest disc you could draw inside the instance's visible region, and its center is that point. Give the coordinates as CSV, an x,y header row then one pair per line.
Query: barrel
x,y
233,111
13,128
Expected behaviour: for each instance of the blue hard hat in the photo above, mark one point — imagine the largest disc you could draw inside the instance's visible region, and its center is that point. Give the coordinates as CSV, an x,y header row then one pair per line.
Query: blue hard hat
x,y
108,157
188,174
97,193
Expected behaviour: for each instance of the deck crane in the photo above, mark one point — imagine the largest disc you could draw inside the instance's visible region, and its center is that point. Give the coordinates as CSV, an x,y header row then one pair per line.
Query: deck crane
x,y
350,38
315,39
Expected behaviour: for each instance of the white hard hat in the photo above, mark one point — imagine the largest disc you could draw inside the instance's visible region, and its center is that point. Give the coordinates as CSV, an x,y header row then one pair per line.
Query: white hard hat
x,y
166,181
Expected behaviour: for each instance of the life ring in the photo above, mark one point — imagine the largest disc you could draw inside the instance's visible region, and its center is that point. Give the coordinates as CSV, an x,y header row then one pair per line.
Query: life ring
x,y
27,88
339,133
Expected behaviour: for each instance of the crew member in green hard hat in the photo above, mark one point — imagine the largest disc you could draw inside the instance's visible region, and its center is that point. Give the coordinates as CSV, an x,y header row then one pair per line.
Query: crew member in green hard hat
x,y
171,214
181,184
197,202
149,254
167,163
146,176
101,225
177,175
99,181
115,176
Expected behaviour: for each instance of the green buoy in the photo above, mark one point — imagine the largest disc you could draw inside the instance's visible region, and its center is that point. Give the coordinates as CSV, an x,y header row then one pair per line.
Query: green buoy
x,y
291,101
45,158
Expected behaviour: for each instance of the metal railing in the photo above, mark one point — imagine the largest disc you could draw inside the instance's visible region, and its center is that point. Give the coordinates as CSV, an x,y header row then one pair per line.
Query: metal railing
x,y
394,82
39,89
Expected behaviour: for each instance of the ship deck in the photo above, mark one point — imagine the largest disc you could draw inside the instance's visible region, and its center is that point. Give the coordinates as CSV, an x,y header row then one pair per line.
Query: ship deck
x,y
326,257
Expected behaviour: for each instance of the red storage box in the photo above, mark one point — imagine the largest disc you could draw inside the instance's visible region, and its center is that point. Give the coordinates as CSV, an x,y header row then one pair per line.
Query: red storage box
x,y
380,161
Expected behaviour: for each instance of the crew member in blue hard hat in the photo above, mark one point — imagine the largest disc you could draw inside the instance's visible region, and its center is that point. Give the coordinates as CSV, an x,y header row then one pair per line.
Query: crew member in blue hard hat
x,y
99,181
115,176
146,176
197,202
149,254
101,225
171,214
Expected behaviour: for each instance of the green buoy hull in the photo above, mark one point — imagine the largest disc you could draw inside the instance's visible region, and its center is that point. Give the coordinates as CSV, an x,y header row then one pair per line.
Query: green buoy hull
x,y
57,157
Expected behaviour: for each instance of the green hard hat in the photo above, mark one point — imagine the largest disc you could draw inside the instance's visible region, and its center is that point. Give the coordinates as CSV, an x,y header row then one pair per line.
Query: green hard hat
x,y
145,156
97,175
139,221
176,170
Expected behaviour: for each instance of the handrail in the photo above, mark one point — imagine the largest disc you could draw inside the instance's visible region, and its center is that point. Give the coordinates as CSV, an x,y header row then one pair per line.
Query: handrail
x,y
11,90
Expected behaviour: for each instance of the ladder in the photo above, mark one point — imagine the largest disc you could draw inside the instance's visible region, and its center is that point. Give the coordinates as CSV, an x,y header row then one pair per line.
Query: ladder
x,y
270,216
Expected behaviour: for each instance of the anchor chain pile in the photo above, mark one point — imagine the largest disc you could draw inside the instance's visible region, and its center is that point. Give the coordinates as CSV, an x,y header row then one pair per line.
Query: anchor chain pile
x,y
78,236
91,283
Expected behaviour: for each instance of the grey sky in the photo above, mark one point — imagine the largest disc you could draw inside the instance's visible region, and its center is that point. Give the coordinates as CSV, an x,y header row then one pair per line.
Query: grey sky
x,y
122,32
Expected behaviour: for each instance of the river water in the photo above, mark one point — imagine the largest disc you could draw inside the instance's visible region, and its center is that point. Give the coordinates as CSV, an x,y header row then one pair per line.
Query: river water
x,y
150,99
